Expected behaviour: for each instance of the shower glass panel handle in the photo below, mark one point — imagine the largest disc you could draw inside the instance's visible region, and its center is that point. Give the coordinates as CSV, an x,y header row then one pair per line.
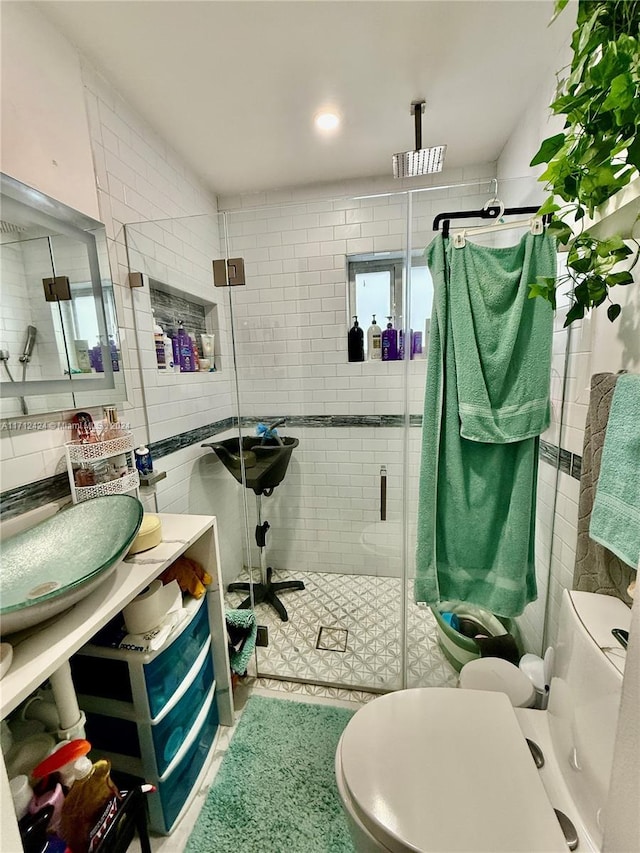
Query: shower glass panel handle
x,y
383,493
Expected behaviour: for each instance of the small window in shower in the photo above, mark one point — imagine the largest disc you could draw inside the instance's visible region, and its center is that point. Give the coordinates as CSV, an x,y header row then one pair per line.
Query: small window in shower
x,y
376,286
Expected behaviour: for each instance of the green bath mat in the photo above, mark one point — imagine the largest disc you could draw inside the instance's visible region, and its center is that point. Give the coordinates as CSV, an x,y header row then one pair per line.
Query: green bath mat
x,y
275,791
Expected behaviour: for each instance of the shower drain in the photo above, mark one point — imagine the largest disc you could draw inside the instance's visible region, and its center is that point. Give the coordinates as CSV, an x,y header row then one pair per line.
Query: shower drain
x,y
332,639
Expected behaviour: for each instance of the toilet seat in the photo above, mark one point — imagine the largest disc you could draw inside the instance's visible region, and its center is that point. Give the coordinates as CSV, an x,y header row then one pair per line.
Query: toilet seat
x,y
435,769
500,676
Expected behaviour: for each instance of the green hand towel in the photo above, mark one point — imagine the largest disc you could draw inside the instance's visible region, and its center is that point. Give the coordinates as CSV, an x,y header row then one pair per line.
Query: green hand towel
x,y
501,339
615,519
242,619
476,513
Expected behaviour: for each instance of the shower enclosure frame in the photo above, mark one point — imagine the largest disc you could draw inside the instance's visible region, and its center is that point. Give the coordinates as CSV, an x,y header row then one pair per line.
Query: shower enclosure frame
x,y
233,241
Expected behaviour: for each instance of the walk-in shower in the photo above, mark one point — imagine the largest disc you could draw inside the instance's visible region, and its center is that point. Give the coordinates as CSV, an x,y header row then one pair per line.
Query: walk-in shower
x,y
343,519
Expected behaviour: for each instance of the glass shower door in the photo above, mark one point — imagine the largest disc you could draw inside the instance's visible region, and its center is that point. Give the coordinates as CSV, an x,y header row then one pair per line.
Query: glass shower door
x,y
336,516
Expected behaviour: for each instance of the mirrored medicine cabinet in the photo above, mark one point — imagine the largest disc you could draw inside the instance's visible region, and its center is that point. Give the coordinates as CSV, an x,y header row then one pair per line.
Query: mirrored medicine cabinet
x,y
59,343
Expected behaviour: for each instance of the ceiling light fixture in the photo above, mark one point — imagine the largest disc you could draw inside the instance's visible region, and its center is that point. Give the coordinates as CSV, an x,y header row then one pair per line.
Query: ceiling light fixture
x,y
421,161
327,121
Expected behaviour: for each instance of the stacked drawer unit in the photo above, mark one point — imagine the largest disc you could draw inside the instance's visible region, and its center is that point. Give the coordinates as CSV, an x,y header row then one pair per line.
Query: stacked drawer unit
x,y
154,715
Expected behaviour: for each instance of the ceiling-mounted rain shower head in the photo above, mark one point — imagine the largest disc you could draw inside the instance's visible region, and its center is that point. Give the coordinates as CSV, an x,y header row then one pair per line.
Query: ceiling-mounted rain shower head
x,y
421,161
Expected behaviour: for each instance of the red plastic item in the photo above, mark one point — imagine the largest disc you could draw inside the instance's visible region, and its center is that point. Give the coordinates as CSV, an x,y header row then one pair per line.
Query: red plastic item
x,y
83,428
66,754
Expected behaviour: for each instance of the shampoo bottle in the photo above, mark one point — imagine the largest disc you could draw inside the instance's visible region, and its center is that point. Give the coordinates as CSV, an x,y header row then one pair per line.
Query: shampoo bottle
x,y
168,351
185,349
390,342
82,356
355,342
374,341
175,347
194,352
402,344
158,337
115,355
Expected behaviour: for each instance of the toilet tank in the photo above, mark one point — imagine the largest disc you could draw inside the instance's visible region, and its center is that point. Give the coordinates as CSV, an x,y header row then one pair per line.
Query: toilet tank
x,y
585,698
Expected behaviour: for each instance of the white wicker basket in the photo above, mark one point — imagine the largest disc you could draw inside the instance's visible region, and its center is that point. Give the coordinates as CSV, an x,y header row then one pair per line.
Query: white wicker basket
x,y
119,486
88,454
100,449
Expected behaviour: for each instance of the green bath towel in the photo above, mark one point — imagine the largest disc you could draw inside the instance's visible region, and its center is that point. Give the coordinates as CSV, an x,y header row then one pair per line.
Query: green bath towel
x,y
615,518
476,514
501,339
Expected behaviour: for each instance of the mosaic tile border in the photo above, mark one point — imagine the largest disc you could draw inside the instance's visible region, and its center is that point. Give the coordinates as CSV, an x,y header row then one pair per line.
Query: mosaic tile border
x,y
569,463
31,495
186,439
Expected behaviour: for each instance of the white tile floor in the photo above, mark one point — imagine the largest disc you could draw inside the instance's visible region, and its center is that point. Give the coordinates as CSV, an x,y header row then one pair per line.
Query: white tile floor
x,y
360,647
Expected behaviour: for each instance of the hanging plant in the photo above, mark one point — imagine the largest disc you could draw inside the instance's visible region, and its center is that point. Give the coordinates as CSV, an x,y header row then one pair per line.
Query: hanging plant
x,y
597,153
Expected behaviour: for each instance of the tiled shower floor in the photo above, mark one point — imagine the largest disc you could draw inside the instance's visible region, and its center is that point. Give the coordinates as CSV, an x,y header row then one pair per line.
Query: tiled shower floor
x,y
344,630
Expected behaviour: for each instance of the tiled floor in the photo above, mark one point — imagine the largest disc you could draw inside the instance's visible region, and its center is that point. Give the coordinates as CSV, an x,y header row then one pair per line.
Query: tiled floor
x,y
344,631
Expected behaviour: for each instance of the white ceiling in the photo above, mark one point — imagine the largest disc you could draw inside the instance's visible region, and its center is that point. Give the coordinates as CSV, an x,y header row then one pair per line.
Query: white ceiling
x,y
233,85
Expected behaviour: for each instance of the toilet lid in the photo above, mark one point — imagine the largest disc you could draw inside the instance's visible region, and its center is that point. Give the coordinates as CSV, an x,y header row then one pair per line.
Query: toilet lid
x,y
499,676
439,769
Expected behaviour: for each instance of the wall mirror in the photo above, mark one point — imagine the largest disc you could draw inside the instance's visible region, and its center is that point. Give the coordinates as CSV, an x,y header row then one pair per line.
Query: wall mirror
x,y
59,344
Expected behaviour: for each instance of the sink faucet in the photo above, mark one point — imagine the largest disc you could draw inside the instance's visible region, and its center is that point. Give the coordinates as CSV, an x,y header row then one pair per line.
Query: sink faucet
x,y
271,427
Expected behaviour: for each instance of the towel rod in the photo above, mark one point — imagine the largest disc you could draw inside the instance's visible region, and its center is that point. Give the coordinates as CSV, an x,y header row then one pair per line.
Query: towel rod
x,y
482,213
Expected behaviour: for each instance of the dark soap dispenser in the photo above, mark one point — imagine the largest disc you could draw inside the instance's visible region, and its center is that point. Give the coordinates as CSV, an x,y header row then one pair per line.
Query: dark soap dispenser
x,y
355,342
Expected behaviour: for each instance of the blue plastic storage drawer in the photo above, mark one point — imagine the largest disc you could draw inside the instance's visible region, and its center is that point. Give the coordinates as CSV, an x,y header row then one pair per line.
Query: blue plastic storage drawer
x,y
176,788
165,673
170,732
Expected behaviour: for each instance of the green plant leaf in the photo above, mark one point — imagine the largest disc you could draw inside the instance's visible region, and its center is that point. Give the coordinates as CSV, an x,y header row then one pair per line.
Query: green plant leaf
x,y
560,230
549,206
576,312
560,4
633,153
619,278
621,93
613,312
548,149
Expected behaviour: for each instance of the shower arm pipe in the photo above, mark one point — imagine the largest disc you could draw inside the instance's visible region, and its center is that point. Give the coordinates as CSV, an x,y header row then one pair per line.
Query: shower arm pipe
x,y
417,117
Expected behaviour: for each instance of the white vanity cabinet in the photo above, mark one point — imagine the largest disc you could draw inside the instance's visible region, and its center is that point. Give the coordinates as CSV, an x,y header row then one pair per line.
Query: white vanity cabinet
x,y
201,640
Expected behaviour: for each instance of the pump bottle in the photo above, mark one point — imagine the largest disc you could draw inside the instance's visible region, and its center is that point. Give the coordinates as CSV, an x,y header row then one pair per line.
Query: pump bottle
x,y
390,342
355,342
374,341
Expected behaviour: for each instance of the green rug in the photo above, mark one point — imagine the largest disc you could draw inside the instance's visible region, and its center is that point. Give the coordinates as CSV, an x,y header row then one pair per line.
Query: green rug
x,y
275,791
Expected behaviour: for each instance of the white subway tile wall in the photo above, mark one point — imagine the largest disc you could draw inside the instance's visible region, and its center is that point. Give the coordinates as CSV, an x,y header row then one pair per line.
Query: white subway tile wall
x,y
140,178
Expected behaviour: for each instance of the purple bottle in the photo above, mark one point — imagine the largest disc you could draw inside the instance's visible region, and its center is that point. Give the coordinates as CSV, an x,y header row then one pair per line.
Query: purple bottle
x,y
97,359
176,349
185,350
115,357
390,342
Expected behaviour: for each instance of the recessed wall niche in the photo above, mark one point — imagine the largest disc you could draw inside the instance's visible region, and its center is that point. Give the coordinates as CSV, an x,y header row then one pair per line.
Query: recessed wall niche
x,y
198,316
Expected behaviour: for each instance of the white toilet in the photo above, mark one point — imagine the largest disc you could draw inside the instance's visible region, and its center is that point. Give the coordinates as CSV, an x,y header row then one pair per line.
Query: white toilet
x,y
439,769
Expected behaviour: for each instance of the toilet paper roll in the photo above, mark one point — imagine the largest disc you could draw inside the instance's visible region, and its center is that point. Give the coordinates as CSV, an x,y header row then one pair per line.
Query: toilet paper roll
x,y
148,609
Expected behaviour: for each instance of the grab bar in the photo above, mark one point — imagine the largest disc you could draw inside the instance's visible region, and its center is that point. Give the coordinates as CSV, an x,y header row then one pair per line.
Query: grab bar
x,y
383,493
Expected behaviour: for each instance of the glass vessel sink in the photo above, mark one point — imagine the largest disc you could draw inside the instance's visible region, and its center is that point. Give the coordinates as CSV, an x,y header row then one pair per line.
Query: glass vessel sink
x,y
56,563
